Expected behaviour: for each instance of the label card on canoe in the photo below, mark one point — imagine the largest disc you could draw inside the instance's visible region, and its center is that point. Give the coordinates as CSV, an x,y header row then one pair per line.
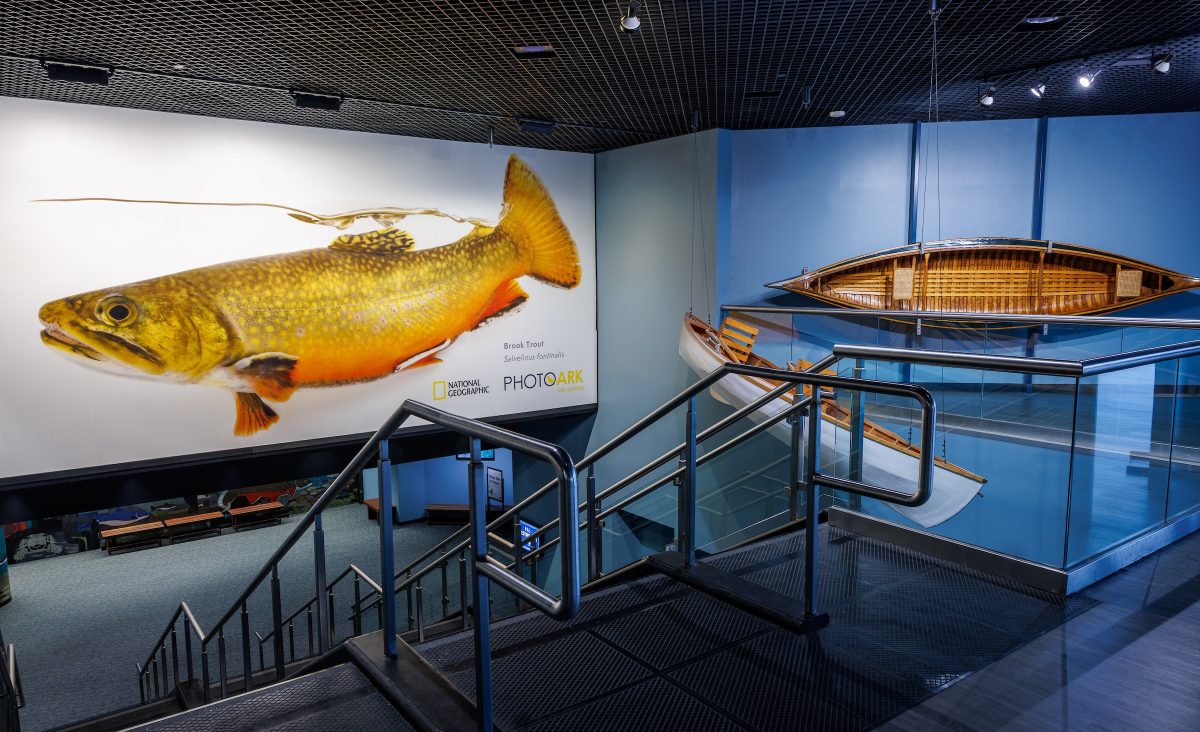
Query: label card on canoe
x,y
902,283
1129,283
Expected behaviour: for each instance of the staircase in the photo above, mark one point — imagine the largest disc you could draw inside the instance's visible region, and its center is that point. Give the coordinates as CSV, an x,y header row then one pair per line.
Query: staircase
x,y
778,630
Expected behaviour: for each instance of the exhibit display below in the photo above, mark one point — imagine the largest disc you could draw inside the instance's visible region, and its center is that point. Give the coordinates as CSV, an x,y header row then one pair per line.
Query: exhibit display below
x,y
990,275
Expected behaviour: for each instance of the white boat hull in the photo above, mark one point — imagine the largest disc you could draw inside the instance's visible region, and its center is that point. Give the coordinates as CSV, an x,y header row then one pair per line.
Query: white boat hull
x,y
882,465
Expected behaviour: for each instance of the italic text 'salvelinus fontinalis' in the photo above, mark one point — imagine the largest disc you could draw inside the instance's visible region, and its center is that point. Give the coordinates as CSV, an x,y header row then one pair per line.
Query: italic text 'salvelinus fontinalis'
x,y
990,275
363,308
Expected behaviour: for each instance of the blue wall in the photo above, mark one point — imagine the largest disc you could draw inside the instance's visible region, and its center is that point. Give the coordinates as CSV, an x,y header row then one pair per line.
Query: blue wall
x,y
809,197
439,480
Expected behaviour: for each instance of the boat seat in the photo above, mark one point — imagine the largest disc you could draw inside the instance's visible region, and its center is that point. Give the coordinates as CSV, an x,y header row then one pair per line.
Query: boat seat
x,y
738,337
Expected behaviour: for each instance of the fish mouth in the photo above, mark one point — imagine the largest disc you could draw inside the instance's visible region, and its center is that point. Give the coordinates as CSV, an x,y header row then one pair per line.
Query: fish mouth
x,y
55,336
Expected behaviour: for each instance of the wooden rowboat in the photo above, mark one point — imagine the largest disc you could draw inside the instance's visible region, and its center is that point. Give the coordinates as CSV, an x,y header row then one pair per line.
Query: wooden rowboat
x,y
888,459
991,275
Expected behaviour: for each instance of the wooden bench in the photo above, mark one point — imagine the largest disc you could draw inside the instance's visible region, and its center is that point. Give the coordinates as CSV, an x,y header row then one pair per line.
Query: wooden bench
x,y
194,527
458,513
372,505
149,533
259,513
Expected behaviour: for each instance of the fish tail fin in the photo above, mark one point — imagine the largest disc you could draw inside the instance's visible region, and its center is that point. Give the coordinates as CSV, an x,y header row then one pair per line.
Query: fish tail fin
x,y
533,222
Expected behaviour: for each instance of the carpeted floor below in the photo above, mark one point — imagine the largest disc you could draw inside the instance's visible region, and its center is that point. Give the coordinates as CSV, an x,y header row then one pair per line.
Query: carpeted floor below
x,y
80,622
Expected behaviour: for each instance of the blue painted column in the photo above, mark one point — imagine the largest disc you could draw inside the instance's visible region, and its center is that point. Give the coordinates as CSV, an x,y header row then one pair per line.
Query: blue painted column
x,y
1039,181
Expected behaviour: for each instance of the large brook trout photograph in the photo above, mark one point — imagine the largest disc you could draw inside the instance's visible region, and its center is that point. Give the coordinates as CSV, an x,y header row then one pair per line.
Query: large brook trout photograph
x,y
367,306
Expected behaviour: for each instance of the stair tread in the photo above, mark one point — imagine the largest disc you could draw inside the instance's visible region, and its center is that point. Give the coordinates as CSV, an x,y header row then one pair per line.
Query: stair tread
x,y
336,698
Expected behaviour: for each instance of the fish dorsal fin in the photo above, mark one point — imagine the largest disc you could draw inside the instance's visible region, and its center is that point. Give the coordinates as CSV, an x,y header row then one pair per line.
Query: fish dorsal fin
x,y
380,241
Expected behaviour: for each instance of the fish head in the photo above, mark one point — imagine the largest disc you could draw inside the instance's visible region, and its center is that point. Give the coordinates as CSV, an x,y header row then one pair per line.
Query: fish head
x,y
154,329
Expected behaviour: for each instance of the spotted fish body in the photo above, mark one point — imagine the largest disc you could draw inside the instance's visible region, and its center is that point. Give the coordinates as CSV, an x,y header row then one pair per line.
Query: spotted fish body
x,y
359,310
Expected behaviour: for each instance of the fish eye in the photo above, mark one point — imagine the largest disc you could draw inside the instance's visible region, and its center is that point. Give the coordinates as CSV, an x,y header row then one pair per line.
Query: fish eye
x,y
116,310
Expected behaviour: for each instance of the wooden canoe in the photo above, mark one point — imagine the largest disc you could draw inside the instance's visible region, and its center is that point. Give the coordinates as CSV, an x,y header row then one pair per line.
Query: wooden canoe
x,y
991,275
888,458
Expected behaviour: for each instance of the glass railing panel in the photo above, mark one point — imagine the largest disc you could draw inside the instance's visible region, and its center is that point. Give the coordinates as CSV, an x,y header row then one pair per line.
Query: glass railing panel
x,y
1123,424
1184,490
1003,455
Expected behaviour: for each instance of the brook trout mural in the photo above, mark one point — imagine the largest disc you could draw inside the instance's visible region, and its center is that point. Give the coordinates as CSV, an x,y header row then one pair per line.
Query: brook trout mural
x,y
363,308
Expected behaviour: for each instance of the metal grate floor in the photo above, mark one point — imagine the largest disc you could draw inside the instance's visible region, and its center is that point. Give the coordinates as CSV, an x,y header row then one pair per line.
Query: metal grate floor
x,y
658,655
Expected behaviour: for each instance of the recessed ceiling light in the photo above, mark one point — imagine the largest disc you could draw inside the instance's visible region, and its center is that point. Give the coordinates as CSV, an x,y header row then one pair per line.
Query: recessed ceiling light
x,y
762,94
525,53
81,73
315,100
536,126
179,67
838,113
1041,23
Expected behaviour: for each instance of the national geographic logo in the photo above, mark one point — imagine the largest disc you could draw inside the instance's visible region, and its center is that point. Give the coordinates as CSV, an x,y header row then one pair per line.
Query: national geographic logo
x,y
560,381
460,388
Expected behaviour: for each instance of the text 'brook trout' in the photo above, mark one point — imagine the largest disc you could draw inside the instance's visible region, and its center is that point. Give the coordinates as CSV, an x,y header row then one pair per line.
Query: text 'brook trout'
x,y
367,306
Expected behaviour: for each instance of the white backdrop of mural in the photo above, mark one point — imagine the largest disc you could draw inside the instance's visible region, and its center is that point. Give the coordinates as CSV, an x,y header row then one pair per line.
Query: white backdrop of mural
x,y
306,340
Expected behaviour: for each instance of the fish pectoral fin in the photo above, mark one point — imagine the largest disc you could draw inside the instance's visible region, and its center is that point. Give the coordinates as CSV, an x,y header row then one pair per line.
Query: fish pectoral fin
x,y
505,298
380,241
269,375
424,358
253,415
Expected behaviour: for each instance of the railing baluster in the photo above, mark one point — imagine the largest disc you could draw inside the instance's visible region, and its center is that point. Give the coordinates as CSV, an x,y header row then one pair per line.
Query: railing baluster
x,y
408,600
357,614
795,471
187,650
154,676
812,466
247,662
174,656
141,682
593,527
309,616
204,677
291,640
462,587
319,560
387,557
276,622
445,588
420,614
687,489
483,646
162,651
262,659
222,670
332,618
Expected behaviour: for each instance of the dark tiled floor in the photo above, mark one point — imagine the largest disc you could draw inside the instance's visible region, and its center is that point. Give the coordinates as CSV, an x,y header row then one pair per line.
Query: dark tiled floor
x,y
660,655
1133,662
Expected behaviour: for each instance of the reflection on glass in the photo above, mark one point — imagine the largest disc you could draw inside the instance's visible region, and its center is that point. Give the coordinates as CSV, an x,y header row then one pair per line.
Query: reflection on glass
x,y
1184,491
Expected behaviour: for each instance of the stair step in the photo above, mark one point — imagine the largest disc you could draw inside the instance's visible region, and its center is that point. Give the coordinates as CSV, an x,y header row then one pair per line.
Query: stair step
x,y
341,697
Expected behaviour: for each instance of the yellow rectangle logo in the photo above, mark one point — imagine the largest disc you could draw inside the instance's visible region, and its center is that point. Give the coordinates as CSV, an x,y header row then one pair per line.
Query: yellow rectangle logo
x,y
439,390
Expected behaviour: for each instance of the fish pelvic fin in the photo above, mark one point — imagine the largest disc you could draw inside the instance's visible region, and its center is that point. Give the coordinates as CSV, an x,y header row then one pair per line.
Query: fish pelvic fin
x,y
269,375
253,415
380,241
505,298
424,358
533,222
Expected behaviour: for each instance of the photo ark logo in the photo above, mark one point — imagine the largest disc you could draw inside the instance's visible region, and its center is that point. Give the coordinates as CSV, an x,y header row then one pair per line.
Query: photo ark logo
x,y
561,381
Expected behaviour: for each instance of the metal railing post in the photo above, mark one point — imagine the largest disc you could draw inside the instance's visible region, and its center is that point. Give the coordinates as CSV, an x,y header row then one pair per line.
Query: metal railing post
x,y
187,651
356,618
445,588
319,563
687,489
247,663
477,489
593,527
141,682
205,680
812,466
277,621
420,614
795,474
221,667
162,650
175,656
462,588
387,558
857,434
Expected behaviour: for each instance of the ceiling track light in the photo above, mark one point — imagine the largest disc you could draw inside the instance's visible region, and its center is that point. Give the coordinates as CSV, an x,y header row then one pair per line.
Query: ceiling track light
x,y
77,72
1038,89
987,96
316,100
1161,62
1087,78
630,22
807,102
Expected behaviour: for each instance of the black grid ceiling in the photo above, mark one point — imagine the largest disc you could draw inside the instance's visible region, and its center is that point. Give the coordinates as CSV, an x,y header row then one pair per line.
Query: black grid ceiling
x,y
445,69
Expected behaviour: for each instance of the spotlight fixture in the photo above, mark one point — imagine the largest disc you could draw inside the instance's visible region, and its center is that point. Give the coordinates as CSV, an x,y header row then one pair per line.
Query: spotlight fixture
x,y
987,97
1038,89
80,73
1161,62
1087,78
630,22
807,102
536,126
315,100
837,113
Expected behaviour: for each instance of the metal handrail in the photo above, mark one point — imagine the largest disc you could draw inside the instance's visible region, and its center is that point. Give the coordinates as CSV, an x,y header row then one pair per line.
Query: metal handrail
x,y
1019,364
1106,321
484,570
411,574
359,575
13,688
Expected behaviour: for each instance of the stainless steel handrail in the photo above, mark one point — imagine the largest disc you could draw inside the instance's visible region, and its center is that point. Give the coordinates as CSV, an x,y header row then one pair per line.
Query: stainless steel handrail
x,y
1032,320
13,689
1144,357
359,575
